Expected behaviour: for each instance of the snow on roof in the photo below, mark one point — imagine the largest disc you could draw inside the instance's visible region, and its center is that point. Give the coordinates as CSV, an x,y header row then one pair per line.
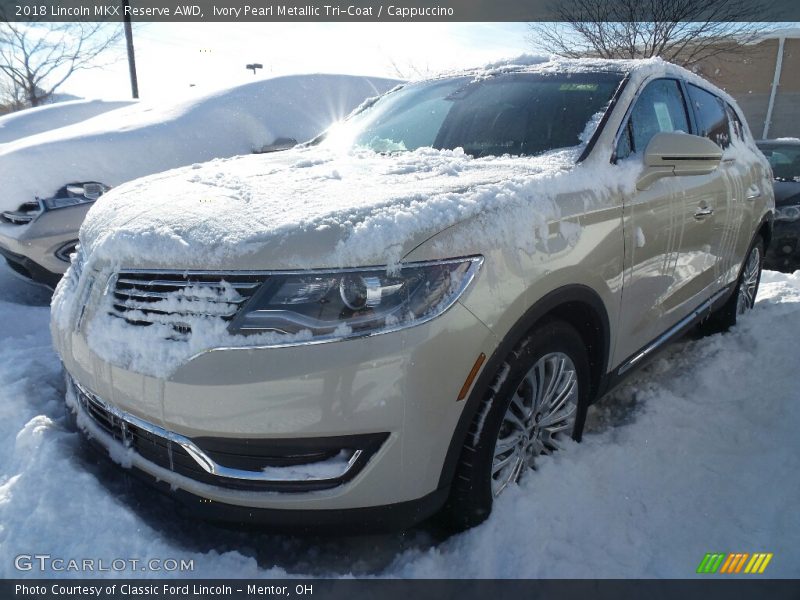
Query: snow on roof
x,y
31,121
147,138
637,69
533,63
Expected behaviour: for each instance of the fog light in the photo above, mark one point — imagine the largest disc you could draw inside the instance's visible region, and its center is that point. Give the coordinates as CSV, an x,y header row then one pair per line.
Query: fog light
x,y
65,251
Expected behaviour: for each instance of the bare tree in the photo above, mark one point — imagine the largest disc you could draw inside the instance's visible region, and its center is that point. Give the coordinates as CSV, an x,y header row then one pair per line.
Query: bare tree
x,y
411,70
681,31
37,58
11,97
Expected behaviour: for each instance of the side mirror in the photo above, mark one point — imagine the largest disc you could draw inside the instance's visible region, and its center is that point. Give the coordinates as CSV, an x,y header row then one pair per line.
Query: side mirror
x,y
670,154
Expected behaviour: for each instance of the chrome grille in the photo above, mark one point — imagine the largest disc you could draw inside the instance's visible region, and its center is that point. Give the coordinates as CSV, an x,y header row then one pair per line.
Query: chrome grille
x,y
176,299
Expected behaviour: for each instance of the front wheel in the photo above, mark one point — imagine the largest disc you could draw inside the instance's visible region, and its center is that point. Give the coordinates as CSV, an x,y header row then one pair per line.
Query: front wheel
x,y
537,401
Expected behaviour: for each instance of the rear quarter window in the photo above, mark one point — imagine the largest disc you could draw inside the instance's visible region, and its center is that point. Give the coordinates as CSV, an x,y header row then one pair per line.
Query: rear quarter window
x,y
735,123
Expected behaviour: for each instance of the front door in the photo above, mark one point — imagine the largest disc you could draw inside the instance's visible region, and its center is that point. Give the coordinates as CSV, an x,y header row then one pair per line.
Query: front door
x,y
669,228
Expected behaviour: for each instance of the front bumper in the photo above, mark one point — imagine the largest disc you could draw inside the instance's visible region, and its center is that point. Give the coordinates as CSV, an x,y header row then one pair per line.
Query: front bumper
x,y
133,442
27,268
783,253
31,249
392,397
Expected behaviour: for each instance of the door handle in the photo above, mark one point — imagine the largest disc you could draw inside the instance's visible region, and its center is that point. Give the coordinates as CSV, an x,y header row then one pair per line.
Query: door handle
x,y
702,212
753,192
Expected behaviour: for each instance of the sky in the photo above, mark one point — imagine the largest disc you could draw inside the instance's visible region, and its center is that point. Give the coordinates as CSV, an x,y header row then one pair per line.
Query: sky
x,y
175,59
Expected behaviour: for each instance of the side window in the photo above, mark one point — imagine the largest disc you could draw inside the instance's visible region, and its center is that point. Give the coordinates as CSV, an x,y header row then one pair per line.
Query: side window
x,y
659,108
711,116
737,129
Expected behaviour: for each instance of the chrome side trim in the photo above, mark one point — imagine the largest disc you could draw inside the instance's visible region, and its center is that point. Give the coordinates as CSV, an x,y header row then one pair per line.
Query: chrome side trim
x,y
316,271
671,332
178,284
200,457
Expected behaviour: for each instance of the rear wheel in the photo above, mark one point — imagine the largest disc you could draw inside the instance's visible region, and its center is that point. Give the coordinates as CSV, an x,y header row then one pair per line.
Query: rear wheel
x,y
536,402
744,297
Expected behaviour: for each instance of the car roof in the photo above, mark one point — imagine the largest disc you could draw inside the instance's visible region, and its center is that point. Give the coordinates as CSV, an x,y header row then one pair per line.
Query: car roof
x,y
636,70
780,142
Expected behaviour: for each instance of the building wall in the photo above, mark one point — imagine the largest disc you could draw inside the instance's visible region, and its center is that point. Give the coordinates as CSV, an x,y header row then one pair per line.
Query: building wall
x,y
748,75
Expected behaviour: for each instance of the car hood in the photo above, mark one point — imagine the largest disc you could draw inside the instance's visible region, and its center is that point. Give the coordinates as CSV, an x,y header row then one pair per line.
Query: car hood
x,y
308,208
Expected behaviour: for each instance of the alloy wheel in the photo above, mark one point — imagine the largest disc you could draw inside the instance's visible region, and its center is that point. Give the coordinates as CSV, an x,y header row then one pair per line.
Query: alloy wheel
x,y
542,412
748,287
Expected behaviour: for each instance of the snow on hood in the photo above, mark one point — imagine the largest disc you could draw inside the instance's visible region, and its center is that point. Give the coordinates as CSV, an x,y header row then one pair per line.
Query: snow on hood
x,y
147,138
312,208
212,214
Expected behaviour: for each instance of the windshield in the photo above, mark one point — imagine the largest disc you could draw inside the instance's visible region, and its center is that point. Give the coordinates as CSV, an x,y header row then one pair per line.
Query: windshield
x,y
785,160
518,114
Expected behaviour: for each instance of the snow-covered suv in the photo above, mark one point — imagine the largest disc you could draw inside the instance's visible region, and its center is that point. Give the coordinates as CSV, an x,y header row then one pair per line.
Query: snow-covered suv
x,y
50,180
403,315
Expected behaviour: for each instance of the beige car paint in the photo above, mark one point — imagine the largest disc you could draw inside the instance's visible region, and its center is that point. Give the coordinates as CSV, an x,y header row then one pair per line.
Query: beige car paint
x,y
40,239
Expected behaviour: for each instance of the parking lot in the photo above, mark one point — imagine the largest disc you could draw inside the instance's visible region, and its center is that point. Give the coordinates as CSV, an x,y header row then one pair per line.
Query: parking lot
x,y
699,453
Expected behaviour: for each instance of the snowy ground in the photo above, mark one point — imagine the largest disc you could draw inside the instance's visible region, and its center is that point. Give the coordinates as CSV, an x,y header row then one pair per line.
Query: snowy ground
x,y
699,453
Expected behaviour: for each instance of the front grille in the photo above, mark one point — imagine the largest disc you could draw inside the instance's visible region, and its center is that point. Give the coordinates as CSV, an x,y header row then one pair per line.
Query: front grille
x,y
179,299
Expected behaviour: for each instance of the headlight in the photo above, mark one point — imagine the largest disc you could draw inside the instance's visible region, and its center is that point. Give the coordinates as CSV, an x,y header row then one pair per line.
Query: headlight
x,y
76,193
787,213
338,304
66,250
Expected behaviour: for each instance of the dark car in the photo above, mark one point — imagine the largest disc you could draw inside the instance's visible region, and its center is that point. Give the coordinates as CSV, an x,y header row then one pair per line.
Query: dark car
x,y
783,253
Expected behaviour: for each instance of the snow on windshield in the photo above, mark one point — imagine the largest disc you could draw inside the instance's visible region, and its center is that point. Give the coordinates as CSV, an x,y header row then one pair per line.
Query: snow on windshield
x,y
515,114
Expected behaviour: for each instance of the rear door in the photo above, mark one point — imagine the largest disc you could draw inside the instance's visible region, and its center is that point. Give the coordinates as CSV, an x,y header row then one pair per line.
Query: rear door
x,y
704,202
749,183
712,119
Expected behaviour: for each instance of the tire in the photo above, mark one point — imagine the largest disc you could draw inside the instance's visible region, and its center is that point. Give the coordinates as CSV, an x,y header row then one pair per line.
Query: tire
x,y
744,296
501,418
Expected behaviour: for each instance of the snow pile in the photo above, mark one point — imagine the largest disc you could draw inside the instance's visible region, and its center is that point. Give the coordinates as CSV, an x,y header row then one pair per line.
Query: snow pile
x,y
31,121
143,138
699,453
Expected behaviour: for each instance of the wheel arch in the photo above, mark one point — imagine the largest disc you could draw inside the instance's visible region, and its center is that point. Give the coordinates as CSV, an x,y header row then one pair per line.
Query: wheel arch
x,y
579,306
765,230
